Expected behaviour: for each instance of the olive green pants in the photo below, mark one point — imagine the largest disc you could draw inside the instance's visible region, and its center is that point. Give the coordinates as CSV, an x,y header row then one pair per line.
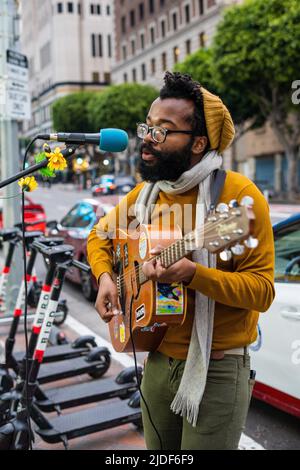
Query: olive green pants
x,y
223,409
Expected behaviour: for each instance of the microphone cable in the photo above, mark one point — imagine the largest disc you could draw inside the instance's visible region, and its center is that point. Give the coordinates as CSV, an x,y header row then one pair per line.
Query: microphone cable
x,y
25,302
138,382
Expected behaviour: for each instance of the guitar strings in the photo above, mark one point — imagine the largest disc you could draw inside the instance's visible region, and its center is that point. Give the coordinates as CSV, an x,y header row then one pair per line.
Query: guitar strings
x,y
202,230
207,228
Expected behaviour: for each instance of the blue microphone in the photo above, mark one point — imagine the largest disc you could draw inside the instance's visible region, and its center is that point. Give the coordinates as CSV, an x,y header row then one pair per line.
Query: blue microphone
x,y
109,140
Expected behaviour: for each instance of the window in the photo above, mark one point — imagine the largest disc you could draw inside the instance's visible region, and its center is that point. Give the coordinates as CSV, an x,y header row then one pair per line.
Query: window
x,y
174,19
187,13
153,66
45,55
162,3
133,47
123,24
79,9
95,77
202,40
124,52
108,10
125,78
132,18
92,9
109,46
188,46
70,7
93,38
176,52
141,11
60,7
152,35
81,215
107,77
142,41
98,9
143,68
134,75
100,45
201,7
287,254
163,29
164,61
151,7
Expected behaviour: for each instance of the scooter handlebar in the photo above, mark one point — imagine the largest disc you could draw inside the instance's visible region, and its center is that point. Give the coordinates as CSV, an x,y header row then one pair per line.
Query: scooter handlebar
x,y
81,266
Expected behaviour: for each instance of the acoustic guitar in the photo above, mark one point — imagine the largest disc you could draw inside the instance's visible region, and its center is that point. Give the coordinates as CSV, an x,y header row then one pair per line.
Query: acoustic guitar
x,y
148,307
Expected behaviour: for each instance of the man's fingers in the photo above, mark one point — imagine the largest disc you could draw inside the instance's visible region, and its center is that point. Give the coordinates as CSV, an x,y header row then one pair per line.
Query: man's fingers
x,y
156,250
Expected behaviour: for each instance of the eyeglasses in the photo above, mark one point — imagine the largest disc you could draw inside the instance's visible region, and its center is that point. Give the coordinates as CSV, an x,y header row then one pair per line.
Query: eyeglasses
x,y
158,134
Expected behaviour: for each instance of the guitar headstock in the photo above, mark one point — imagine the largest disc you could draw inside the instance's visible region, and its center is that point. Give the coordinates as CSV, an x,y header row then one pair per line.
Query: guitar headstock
x,y
226,229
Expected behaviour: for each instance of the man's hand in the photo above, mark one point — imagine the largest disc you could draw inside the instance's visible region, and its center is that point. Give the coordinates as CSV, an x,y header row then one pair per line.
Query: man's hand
x,y
182,271
107,304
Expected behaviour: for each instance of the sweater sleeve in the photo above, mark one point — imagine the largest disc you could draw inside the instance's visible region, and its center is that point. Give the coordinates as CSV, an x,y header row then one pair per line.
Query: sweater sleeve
x,y
251,285
99,243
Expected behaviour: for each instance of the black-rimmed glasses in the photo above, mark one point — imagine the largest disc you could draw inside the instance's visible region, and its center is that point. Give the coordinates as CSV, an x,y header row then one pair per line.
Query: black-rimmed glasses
x,y
158,134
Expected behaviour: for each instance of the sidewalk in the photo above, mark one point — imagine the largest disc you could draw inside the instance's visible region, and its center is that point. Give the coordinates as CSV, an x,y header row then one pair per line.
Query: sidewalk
x,y
124,437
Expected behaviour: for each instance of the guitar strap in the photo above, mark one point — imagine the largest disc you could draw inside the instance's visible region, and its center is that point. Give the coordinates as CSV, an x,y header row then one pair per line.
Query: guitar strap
x,y
217,184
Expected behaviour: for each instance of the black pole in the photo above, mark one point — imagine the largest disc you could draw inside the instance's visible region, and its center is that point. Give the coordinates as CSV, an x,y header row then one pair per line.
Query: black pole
x,y
67,152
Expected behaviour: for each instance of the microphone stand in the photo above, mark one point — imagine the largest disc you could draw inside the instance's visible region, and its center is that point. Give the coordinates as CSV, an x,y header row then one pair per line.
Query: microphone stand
x,y
67,152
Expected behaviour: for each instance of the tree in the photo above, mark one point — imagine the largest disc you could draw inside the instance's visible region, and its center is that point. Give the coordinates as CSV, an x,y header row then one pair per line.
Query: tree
x,y
121,106
70,113
256,53
201,66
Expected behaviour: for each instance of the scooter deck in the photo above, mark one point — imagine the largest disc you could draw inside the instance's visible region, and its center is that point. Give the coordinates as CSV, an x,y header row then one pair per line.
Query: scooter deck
x,y
89,421
68,368
57,353
84,393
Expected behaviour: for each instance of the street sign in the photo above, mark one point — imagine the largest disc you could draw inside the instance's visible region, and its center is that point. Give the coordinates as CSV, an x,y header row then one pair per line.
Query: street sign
x,y
17,97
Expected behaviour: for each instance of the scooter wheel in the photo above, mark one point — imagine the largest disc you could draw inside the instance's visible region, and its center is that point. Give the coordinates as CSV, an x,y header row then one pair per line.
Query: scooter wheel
x,y
104,357
7,433
128,375
61,313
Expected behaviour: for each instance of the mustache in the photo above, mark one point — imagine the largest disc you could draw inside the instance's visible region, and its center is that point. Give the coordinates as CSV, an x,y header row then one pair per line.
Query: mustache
x,y
150,149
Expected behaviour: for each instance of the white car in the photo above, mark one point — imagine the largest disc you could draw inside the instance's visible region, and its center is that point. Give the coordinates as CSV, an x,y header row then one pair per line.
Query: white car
x,y
276,353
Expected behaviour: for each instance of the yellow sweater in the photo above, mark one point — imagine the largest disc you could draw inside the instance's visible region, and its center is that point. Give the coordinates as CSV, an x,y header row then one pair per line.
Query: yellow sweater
x,y
241,288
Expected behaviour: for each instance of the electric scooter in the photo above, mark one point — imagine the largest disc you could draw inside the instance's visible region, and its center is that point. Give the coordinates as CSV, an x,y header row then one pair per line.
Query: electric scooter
x,y
16,435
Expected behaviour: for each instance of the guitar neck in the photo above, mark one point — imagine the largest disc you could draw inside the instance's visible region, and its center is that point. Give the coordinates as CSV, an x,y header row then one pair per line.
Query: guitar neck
x,y
169,256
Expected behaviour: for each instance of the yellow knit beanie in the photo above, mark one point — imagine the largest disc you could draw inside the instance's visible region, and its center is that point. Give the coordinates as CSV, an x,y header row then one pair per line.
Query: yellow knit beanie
x,y
219,124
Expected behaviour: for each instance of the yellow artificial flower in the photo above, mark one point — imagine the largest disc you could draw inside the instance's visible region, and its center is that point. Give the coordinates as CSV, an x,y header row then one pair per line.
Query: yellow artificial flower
x,y
57,160
28,184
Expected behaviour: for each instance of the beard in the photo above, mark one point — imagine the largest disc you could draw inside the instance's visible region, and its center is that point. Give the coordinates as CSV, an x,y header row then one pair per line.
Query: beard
x,y
169,165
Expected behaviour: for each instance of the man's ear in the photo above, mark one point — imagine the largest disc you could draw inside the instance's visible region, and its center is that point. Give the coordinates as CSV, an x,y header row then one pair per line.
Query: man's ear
x,y
199,145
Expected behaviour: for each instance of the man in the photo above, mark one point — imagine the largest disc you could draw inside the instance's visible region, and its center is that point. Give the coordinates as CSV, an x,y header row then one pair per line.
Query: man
x,y
197,384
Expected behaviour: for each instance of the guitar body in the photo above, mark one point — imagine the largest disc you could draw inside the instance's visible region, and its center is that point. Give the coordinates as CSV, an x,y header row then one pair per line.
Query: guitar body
x,y
149,307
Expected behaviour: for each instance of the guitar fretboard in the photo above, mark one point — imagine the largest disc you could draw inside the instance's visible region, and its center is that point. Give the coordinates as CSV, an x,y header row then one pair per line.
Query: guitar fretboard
x,y
168,256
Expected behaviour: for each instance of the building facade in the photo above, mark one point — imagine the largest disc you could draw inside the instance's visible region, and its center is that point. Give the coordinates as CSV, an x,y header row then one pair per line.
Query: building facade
x,y
151,36
69,45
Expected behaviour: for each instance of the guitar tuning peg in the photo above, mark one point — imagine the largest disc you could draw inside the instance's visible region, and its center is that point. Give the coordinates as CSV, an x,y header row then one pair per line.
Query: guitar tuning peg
x,y
222,208
238,249
247,201
233,203
225,255
251,242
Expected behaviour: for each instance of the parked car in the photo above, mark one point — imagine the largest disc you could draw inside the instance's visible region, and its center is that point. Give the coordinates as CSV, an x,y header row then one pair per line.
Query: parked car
x,y
276,353
124,184
75,227
106,185
35,215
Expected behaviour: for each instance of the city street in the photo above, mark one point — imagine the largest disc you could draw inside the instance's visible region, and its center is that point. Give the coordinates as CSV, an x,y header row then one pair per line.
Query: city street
x,y
268,427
